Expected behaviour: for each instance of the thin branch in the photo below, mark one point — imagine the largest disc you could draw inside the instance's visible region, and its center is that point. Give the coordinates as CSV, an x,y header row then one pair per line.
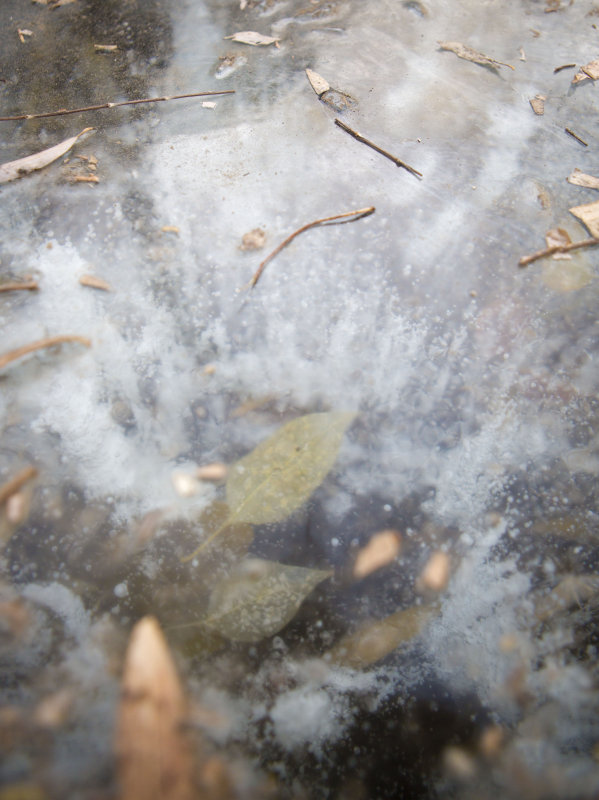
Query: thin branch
x,y
563,66
557,248
63,111
13,355
575,136
362,212
13,485
16,285
397,161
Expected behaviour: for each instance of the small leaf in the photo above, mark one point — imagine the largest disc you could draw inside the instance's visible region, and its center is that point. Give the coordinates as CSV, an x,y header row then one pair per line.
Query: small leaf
x,y
376,639
280,474
252,37
260,598
317,82
469,54
589,215
23,166
538,104
590,70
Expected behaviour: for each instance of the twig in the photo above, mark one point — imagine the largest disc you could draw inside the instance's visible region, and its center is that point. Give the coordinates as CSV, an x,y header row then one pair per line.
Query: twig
x,y
557,248
578,139
16,285
563,66
378,149
14,484
63,111
13,355
362,212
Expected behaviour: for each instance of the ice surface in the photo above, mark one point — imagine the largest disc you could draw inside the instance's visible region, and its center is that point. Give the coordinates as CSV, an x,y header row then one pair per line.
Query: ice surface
x,y
475,382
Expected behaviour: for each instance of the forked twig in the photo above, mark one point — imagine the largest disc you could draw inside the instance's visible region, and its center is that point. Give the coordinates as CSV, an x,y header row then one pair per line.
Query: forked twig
x,y
64,111
14,286
13,355
14,484
557,248
397,161
362,212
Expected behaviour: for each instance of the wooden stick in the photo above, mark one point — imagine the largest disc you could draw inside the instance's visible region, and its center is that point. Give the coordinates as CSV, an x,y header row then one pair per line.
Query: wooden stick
x,y
63,111
16,285
14,484
362,212
397,161
556,248
13,355
575,136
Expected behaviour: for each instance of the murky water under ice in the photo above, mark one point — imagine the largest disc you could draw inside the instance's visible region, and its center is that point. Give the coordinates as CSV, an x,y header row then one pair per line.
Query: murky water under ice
x,y
474,382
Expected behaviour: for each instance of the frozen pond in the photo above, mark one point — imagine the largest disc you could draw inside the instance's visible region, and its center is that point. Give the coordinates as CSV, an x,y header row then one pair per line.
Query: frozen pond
x,y
460,394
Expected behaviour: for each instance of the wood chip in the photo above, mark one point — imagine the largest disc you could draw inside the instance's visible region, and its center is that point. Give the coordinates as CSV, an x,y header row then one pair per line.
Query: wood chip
x,y
317,82
253,38
15,286
153,753
589,71
253,240
105,48
435,575
23,166
558,237
579,178
563,66
469,54
95,283
538,104
86,179
22,33
588,214
212,473
382,549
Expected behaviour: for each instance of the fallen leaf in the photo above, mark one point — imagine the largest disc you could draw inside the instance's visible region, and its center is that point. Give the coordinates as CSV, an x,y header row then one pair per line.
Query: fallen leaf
x,y
260,598
589,71
252,37
317,82
382,549
23,166
588,214
153,753
538,104
94,282
253,240
558,237
281,473
232,546
468,54
375,639
579,178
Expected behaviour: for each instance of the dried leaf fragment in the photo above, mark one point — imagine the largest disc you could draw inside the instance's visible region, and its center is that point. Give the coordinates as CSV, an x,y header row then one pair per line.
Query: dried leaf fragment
x,y
588,214
590,70
579,178
253,240
538,104
260,598
12,170
253,38
154,757
469,54
382,549
317,82
95,283
560,238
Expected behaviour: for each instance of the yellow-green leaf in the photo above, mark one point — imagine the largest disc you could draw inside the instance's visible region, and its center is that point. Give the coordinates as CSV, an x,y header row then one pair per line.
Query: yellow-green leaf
x,y
259,599
377,638
281,473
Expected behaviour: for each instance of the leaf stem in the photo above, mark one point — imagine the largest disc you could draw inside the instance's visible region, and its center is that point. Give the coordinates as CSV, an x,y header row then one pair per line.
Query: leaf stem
x,y
362,212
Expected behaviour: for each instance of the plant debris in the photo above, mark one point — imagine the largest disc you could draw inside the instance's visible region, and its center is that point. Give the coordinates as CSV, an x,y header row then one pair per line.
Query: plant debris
x,y
588,214
538,104
563,66
397,161
15,286
354,215
95,283
317,82
22,33
382,549
589,71
253,38
23,166
170,229
579,178
339,101
13,355
64,111
560,237
13,485
212,473
549,251
253,240
105,48
469,54
54,3
576,136
435,575
152,749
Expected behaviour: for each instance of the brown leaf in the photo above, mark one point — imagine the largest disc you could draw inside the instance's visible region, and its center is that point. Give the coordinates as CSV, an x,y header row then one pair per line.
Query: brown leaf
x,y
558,237
23,166
253,38
154,757
381,550
579,178
588,214
589,71
317,82
538,104
469,54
